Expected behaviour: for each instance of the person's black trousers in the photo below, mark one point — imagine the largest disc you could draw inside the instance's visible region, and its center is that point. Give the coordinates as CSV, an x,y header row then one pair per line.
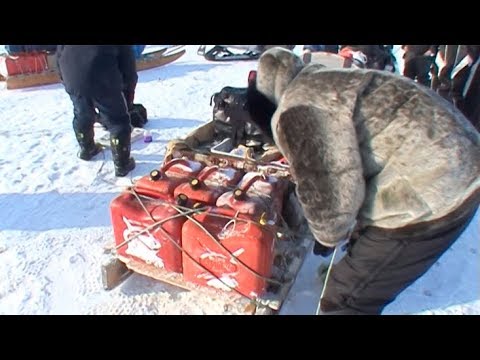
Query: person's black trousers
x,y
377,267
112,110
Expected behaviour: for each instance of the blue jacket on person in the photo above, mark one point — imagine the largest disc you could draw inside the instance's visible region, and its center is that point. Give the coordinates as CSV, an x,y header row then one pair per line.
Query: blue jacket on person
x,y
138,50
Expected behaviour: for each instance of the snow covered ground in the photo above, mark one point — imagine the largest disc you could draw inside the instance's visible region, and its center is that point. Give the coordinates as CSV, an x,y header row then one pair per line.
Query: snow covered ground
x,y
54,208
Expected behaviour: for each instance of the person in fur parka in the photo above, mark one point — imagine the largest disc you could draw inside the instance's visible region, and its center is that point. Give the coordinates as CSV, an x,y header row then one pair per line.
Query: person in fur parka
x,y
377,159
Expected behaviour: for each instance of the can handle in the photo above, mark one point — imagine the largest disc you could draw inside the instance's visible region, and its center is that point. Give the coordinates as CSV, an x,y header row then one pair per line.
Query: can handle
x,y
206,174
245,186
173,162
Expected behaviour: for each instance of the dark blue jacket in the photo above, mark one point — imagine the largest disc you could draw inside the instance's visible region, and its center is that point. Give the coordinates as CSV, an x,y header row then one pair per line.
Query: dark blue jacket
x,y
94,70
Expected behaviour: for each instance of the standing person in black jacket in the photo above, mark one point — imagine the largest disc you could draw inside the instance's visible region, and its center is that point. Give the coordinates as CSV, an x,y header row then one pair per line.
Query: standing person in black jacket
x,y
459,79
102,77
464,90
450,56
419,60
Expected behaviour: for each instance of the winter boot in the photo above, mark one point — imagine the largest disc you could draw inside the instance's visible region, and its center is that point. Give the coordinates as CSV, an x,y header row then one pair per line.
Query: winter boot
x,y
121,154
88,147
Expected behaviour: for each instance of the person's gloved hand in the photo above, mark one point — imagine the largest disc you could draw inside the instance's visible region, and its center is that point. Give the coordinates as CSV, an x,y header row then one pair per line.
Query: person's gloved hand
x,y
322,250
129,93
349,239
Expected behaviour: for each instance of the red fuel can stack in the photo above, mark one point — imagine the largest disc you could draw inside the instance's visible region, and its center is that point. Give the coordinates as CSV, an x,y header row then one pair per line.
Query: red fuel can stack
x,y
164,181
257,195
240,257
131,220
211,182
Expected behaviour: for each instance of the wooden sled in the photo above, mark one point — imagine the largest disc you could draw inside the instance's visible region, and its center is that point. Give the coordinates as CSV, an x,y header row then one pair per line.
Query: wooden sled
x,y
290,253
268,304
51,76
294,239
153,60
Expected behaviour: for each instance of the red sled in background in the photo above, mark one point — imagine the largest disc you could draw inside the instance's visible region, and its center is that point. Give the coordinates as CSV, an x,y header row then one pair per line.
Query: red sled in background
x,y
24,64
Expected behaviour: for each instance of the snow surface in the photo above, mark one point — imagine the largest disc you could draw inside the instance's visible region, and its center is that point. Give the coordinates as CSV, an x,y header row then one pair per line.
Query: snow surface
x,y
55,228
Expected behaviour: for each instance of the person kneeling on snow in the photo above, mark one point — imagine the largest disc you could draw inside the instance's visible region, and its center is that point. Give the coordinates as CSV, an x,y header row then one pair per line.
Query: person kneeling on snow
x,y
372,154
102,77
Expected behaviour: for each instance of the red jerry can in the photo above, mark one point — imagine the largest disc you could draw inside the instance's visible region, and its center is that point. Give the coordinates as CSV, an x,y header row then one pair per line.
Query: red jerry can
x,y
211,182
256,194
164,181
240,258
135,237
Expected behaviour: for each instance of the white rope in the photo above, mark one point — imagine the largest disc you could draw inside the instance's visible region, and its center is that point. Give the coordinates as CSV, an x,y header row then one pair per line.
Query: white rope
x,y
326,280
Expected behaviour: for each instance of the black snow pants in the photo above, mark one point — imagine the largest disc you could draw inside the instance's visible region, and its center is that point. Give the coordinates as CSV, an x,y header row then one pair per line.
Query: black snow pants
x,y
112,110
378,267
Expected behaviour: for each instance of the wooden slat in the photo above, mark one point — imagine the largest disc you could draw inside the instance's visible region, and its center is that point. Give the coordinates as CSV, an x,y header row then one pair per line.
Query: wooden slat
x,y
30,80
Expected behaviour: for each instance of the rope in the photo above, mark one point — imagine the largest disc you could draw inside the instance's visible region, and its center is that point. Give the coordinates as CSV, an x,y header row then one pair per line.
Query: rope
x,y
186,212
209,234
151,227
326,281
185,252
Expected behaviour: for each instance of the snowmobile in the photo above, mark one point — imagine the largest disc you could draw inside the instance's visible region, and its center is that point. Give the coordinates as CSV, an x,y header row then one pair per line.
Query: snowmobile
x,y
227,52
